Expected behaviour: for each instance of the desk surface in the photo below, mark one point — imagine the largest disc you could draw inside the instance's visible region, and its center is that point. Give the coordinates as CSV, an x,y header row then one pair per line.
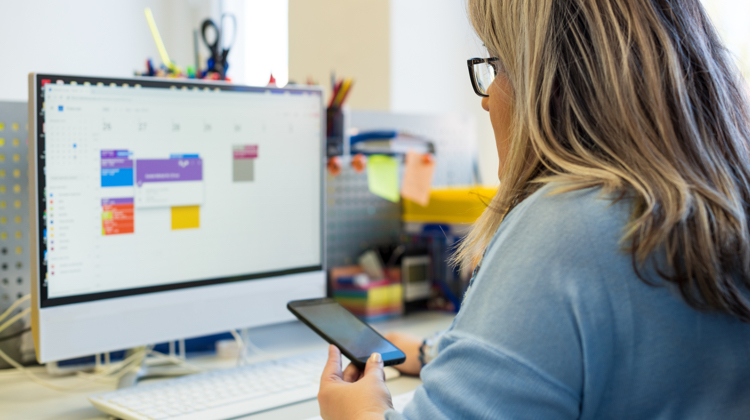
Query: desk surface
x,y
20,398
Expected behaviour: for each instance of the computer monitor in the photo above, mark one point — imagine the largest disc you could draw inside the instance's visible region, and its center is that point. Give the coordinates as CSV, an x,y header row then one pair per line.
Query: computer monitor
x,y
165,209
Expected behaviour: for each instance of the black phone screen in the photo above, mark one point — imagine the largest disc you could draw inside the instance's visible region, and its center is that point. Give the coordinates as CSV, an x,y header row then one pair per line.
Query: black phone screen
x,y
343,327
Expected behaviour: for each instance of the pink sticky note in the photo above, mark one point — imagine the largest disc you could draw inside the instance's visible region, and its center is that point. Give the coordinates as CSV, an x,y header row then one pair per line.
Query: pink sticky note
x,y
418,173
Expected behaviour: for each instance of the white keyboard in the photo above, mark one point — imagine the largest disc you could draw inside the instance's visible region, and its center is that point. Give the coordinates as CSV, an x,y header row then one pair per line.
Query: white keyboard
x,y
221,394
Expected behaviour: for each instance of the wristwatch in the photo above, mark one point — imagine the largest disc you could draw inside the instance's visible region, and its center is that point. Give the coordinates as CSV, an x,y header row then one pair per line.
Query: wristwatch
x,y
428,349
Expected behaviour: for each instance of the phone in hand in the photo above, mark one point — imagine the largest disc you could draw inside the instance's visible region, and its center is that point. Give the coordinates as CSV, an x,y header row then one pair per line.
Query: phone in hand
x,y
356,340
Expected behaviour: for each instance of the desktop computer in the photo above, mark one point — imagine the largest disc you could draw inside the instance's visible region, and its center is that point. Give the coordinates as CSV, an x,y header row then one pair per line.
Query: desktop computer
x,y
165,209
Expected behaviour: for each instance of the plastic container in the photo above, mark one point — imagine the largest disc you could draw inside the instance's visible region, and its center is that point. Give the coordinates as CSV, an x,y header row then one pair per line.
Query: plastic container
x,y
450,206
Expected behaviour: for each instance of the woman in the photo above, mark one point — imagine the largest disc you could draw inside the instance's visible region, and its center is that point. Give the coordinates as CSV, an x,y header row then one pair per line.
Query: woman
x,y
616,254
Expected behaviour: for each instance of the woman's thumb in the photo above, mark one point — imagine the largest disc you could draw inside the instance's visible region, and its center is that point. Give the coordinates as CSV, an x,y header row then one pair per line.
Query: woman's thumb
x,y
375,366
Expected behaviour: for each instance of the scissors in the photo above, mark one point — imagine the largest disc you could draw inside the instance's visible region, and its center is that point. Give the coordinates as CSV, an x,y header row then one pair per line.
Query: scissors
x,y
218,60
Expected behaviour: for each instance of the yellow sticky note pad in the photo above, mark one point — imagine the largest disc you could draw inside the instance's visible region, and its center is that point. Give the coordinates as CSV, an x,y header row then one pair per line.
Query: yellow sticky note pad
x,y
382,177
418,172
186,217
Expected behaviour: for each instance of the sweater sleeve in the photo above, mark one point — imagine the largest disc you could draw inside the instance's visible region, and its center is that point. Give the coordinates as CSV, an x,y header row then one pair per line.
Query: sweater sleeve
x,y
472,380
533,325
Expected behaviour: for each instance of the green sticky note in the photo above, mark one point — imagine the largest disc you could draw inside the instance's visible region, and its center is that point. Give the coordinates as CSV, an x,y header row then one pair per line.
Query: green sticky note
x,y
382,177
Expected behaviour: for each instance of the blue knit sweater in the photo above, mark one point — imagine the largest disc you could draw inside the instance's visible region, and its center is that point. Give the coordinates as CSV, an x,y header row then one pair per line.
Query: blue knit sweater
x,y
556,325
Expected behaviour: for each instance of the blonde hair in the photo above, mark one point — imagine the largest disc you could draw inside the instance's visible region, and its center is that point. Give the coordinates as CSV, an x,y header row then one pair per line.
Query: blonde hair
x,y
640,98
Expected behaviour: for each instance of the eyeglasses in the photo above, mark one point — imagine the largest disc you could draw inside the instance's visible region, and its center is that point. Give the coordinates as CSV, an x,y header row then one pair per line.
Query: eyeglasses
x,y
482,72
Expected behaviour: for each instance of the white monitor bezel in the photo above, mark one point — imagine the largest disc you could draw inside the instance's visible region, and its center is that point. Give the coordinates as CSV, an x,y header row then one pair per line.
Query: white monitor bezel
x,y
119,322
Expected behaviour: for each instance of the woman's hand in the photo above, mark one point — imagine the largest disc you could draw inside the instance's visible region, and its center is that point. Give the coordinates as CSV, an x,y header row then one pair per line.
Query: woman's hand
x,y
352,394
410,345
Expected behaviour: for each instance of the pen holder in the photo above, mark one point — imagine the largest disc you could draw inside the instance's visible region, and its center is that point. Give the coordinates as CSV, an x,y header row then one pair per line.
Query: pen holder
x,y
335,132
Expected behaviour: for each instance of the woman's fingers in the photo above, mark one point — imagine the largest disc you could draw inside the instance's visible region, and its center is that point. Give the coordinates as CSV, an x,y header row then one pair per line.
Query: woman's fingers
x,y
374,367
332,370
351,373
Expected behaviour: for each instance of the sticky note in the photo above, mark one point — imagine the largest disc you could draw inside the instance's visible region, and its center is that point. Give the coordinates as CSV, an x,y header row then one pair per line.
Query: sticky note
x,y
418,172
382,177
186,217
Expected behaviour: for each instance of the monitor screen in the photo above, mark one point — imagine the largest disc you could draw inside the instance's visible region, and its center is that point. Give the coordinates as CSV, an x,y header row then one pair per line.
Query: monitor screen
x,y
147,185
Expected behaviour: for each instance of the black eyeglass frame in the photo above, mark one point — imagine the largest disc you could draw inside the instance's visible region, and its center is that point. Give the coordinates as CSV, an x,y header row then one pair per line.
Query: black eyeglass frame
x,y
493,61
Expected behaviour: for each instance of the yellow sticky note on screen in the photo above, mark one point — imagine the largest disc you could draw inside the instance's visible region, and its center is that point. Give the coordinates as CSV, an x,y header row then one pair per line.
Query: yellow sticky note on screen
x,y
186,217
382,177
418,172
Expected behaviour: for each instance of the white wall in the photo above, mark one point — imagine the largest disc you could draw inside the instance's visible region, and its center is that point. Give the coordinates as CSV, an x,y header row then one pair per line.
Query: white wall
x,y
430,43
732,19
91,37
262,45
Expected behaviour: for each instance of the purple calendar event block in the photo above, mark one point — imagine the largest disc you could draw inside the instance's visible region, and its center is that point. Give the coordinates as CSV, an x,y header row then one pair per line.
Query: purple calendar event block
x,y
168,170
116,159
117,168
114,154
115,201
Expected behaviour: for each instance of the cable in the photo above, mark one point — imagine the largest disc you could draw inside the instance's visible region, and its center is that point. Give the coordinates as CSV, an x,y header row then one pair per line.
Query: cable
x,y
108,375
256,349
34,377
14,319
244,343
15,334
14,306
241,344
175,360
113,374
118,370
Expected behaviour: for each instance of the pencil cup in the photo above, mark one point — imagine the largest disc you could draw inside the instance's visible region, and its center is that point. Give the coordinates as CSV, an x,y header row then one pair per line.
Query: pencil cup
x,y
335,126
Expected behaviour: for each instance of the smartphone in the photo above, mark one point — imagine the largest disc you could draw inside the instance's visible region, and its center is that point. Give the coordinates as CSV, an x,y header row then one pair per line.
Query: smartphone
x,y
356,340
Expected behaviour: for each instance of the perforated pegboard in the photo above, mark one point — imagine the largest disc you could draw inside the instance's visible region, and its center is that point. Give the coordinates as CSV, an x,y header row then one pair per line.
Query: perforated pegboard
x,y
14,223
356,219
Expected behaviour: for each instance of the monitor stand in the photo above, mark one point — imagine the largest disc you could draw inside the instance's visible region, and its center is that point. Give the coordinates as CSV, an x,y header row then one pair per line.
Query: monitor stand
x,y
150,368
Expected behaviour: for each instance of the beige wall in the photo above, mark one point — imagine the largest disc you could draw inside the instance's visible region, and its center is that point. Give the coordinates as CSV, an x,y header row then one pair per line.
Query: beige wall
x,y
351,37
